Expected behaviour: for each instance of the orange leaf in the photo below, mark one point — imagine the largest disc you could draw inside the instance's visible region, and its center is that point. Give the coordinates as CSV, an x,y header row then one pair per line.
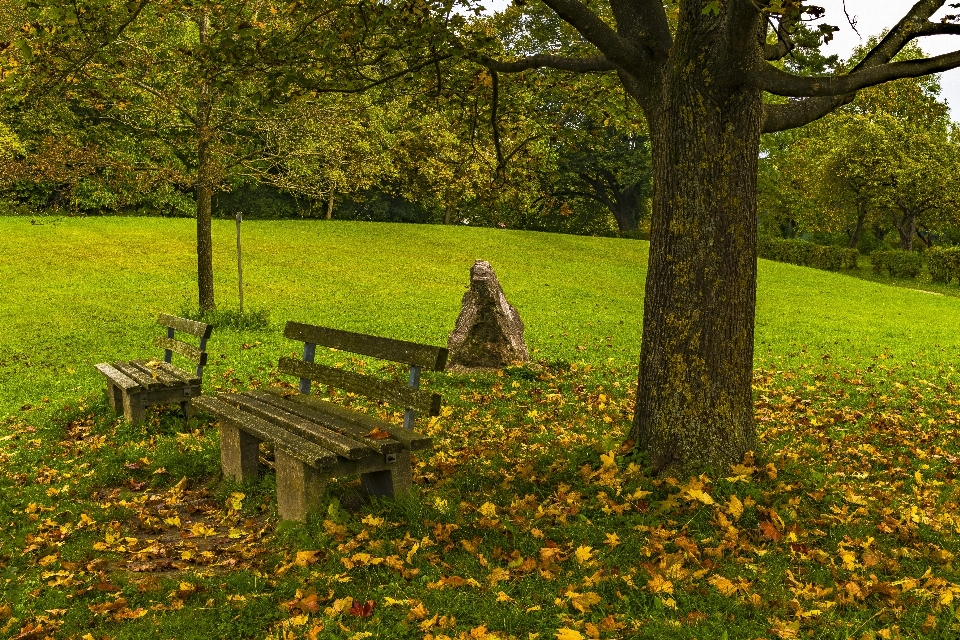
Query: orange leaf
x,y
377,434
770,531
364,610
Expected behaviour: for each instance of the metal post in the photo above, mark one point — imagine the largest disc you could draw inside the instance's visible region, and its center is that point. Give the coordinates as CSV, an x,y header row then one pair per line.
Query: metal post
x,y
168,354
240,261
409,415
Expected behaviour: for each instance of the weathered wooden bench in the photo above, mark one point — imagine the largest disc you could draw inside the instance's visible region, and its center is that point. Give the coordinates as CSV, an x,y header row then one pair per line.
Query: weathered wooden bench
x,y
316,440
138,384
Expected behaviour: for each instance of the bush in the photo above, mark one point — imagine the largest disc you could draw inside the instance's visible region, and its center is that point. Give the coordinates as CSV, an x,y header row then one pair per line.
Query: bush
x,y
897,263
807,254
944,264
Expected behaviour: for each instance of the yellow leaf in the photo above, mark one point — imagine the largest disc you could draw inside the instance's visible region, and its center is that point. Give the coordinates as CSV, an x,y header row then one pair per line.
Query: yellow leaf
x,y
584,554
47,560
305,558
613,539
488,509
583,601
372,521
173,522
734,507
699,494
568,634
503,597
657,584
723,585
498,575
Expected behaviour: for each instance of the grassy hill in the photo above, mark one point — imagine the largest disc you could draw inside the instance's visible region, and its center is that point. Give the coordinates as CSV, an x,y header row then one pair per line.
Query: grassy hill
x,y
530,518
77,291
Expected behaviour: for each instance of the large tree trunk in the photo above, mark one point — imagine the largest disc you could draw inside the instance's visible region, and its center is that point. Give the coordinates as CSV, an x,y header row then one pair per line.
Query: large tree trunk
x,y
854,235
694,398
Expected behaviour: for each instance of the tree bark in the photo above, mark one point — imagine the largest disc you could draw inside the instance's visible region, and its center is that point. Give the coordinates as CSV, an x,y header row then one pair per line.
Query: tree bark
x,y
694,397
330,205
907,229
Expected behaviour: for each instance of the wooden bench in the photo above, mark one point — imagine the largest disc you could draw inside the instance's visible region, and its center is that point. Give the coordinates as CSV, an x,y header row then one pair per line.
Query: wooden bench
x,y
316,440
138,384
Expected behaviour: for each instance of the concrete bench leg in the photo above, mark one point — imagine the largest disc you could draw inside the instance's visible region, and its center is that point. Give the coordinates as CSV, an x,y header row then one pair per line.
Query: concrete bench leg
x,y
300,487
133,409
239,453
391,483
114,396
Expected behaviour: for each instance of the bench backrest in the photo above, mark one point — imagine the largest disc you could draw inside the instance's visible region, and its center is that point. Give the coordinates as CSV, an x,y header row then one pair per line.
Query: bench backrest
x,y
200,329
417,356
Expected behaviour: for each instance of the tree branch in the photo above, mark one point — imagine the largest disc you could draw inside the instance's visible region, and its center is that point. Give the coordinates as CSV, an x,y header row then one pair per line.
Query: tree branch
x,y
159,94
776,81
644,22
611,44
780,117
584,65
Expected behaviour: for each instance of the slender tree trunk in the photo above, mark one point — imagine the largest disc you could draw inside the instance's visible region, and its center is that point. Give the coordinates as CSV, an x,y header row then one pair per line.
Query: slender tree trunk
x,y
907,229
204,190
330,205
857,230
446,213
694,397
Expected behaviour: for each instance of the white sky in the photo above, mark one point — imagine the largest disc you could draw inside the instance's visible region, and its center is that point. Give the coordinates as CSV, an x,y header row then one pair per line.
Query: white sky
x,y
872,17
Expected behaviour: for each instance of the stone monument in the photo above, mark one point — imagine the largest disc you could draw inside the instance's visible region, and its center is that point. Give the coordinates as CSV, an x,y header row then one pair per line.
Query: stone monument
x,y
489,332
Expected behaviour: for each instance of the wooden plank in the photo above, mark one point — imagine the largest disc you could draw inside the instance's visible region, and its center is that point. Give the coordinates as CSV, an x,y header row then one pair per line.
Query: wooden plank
x,y
339,444
409,439
382,446
397,394
119,379
184,349
143,379
303,450
412,353
199,329
156,372
177,372
169,395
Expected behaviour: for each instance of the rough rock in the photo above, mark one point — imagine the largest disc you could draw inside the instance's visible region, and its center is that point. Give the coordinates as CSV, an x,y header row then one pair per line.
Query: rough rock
x,y
489,332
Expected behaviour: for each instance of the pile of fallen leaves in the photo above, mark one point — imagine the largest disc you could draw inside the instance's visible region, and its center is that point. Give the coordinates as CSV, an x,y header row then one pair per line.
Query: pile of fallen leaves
x,y
530,519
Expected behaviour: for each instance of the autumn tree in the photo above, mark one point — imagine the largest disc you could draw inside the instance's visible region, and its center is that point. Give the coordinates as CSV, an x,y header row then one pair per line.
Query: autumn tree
x,y
698,71
185,78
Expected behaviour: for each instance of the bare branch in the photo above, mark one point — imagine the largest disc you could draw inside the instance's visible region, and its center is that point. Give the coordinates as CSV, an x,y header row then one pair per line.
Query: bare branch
x,y
584,65
780,117
159,94
779,82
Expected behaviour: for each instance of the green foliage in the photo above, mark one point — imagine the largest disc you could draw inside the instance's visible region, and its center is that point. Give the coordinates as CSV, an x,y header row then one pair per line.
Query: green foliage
x,y
248,320
897,263
944,264
807,254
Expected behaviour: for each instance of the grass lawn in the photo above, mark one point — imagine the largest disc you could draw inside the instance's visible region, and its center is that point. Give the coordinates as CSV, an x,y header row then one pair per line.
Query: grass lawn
x,y
527,518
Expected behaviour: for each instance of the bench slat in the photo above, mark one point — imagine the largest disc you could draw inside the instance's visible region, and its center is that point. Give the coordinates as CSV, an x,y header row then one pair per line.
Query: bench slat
x,y
412,353
187,376
165,378
118,378
303,450
396,394
184,349
199,329
327,439
145,380
408,438
337,423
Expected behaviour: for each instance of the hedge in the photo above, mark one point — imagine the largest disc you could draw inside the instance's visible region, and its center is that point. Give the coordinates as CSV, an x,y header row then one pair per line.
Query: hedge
x,y
807,254
897,263
944,264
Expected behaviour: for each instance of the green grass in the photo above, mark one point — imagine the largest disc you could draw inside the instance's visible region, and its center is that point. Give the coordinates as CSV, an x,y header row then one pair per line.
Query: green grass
x,y
855,406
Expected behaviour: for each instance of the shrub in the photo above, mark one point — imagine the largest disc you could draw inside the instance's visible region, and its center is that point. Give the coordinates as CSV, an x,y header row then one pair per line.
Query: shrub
x,y
807,254
897,263
944,264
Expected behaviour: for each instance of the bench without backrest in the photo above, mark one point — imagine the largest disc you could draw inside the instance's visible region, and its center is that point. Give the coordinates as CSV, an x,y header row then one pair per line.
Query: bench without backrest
x,y
137,384
316,440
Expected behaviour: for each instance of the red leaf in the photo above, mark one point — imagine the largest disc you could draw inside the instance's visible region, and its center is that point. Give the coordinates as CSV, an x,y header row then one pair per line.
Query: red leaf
x,y
364,610
770,531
